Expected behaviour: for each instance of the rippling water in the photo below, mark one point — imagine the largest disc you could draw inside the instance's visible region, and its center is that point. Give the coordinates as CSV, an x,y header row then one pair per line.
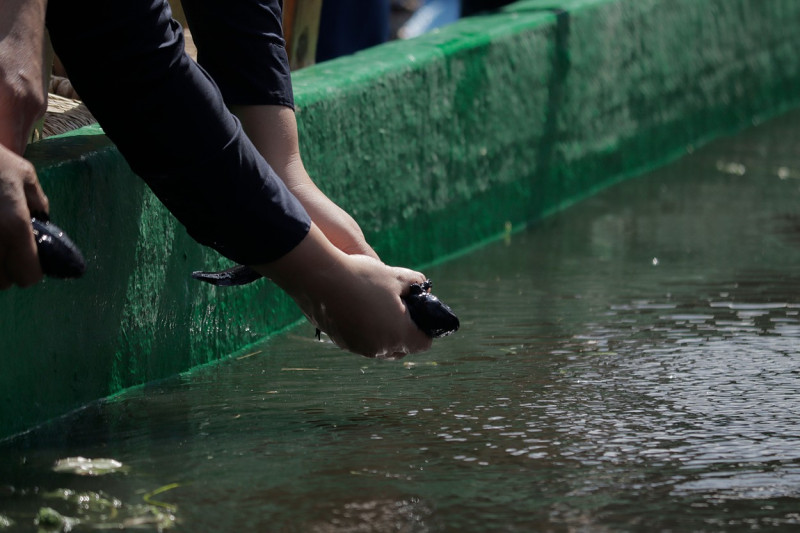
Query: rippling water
x,y
631,364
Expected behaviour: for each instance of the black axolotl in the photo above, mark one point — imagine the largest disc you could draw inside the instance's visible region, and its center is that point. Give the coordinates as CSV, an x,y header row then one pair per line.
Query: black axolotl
x,y
58,255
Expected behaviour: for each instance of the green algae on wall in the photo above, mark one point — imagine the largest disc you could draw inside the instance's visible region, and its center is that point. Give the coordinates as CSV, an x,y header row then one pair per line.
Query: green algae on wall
x,y
433,144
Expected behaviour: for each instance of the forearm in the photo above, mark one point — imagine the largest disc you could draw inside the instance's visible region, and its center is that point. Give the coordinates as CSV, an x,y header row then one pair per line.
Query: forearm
x,y
273,130
23,95
22,100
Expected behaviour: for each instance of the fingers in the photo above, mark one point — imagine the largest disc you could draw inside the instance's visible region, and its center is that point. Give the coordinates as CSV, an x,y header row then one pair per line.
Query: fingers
x,y
378,323
35,196
17,170
406,278
415,340
408,338
355,299
19,261
19,194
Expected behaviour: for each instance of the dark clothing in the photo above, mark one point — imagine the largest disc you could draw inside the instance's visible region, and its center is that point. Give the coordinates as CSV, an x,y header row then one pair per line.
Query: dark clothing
x,y
347,26
240,43
168,119
472,7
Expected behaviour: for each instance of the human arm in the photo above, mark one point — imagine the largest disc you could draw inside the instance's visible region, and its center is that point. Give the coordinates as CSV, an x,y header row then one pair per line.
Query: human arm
x,y
241,46
23,98
213,181
355,299
23,95
273,130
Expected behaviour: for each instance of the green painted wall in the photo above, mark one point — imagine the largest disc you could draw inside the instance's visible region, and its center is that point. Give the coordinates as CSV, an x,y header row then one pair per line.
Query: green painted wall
x,y
509,115
433,144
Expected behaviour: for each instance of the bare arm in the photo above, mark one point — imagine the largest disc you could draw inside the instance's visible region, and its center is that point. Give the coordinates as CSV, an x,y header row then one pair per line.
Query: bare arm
x,y
333,275
23,98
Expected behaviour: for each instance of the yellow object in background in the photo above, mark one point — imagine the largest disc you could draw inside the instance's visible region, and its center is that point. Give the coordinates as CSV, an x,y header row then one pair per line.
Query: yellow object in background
x,y
301,30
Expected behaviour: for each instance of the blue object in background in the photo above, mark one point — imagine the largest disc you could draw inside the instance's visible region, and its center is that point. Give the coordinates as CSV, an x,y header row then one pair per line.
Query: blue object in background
x,y
431,15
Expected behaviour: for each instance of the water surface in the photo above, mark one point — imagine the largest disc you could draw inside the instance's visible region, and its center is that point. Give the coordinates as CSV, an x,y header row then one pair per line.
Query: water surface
x,y
630,364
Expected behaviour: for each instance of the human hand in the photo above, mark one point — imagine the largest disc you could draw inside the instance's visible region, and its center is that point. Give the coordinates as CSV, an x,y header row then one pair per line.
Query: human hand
x,y
364,312
355,299
22,101
20,194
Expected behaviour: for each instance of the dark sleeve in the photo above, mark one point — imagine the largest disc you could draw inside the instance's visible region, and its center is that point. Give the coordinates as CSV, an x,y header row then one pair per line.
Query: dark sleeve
x,y
240,44
168,119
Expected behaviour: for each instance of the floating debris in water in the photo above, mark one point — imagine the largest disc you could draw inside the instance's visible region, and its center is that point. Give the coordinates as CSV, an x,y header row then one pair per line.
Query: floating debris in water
x,y
5,522
98,510
82,466
786,173
49,519
412,364
168,506
87,501
251,354
736,169
508,228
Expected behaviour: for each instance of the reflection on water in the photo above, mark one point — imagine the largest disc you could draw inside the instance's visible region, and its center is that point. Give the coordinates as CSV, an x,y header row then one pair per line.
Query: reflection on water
x,y
631,364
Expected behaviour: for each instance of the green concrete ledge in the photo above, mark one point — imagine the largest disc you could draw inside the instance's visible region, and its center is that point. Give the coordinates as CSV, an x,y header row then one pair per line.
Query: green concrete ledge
x,y
434,145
